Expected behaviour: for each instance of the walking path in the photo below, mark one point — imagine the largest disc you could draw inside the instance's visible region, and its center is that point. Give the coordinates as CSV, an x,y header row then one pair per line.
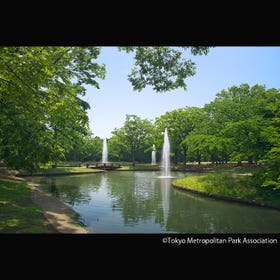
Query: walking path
x,y
61,217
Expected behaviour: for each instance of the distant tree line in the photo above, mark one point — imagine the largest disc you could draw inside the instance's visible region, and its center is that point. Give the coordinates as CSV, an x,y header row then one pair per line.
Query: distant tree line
x,y
241,124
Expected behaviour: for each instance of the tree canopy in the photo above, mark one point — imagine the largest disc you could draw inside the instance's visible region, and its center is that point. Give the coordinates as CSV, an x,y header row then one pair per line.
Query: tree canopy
x,y
42,113
133,134
163,68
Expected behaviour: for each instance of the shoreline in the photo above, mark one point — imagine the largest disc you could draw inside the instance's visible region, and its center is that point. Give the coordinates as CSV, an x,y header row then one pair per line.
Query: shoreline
x,y
59,215
64,219
247,201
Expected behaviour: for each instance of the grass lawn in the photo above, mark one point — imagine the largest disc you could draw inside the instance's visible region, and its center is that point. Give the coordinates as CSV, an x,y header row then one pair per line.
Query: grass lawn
x,y
231,185
62,171
18,214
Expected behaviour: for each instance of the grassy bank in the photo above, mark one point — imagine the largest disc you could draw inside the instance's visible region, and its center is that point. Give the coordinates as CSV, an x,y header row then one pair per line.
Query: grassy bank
x,y
61,171
232,186
18,214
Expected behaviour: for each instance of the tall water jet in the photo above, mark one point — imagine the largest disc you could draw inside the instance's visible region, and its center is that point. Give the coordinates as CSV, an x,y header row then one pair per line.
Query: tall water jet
x,y
104,151
154,155
165,172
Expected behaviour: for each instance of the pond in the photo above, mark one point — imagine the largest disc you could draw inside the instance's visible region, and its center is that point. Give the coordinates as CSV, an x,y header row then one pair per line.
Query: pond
x,y
141,202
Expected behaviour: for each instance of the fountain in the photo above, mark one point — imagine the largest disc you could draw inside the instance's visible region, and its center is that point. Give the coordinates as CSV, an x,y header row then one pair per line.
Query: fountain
x,y
154,155
165,172
104,151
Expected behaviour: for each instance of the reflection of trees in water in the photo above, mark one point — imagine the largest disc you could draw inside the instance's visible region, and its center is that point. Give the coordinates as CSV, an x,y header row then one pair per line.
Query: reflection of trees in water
x,y
187,214
143,198
53,187
73,189
138,197
196,214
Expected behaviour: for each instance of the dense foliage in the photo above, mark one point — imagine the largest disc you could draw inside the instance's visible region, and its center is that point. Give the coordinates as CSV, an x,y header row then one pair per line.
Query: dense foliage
x,y
42,114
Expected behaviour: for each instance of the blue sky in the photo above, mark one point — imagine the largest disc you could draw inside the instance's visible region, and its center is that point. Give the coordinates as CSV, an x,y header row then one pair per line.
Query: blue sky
x,y
222,68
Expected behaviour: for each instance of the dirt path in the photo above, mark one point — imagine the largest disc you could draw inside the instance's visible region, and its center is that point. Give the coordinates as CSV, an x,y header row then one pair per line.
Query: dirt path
x,y
60,216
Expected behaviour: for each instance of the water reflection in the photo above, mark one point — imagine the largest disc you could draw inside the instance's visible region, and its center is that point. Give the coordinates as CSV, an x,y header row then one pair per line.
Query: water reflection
x,y
195,214
140,202
53,187
165,190
133,195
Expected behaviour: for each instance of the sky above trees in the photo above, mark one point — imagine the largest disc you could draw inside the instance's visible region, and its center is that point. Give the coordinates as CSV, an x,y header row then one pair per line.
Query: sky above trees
x,y
222,68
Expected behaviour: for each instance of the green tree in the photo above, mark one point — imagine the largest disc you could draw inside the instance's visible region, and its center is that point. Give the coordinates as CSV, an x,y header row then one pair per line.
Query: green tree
x,y
117,149
237,118
201,141
163,68
42,114
41,111
133,134
271,132
88,148
179,124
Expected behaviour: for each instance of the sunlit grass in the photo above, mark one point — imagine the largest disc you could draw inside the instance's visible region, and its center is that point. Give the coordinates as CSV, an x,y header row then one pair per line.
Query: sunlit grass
x,y
62,171
70,164
228,185
18,214
67,170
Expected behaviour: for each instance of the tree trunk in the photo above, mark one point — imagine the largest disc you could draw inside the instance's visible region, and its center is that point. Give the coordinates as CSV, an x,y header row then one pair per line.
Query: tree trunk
x,y
250,159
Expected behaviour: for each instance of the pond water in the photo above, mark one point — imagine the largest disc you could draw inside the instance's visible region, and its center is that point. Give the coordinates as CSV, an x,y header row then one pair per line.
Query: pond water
x,y
141,202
